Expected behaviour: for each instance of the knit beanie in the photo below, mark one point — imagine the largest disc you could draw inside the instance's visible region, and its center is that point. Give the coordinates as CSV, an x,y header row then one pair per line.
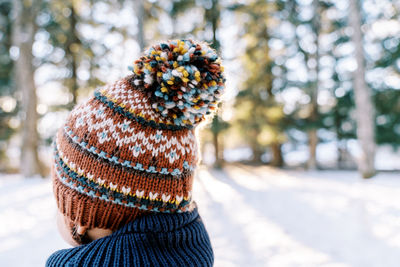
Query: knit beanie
x,y
131,148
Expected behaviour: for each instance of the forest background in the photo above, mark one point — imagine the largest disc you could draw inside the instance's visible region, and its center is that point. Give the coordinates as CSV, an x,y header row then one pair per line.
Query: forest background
x,y
310,84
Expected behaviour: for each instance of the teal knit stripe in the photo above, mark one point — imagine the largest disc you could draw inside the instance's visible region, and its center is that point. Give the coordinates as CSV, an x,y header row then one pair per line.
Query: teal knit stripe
x,y
125,163
156,125
74,181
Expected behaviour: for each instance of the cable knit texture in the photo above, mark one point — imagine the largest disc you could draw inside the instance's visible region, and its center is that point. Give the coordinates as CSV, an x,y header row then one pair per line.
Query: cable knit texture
x,y
178,239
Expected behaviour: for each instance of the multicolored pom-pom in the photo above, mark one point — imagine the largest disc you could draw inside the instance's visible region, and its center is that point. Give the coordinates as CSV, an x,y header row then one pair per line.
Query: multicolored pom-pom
x,y
184,78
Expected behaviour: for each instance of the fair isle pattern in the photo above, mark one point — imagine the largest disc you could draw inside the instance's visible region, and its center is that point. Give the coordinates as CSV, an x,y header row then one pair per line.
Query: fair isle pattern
x,y
118,201
142,120
108,156
133,101
123,162
122,133
119,178
125,186
140,198
95,119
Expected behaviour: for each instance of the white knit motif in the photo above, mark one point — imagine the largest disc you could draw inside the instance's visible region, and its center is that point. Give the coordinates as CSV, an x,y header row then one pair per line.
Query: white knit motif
x,y
132,99
93,118
125,190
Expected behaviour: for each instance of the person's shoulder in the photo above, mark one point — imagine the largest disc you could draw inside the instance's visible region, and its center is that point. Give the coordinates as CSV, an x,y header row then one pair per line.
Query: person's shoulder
x,y
76,255
100,252
63,257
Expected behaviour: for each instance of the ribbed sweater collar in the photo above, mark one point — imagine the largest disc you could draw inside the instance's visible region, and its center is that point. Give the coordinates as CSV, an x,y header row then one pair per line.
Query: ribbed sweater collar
x,y
178,239
162,222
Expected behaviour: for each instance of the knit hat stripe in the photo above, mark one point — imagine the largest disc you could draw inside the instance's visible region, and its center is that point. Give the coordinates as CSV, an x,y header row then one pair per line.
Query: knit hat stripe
x,y
101,218
119,179
116,108
81,184
111,134
106,189
133,104
154,189
83,160
135,165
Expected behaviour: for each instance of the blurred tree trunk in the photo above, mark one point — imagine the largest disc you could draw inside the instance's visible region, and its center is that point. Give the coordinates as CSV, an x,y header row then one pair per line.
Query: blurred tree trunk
x,y
72,50
312,133
212,16
275,146
312,146
264,125
364,108
277,158
218,163
23,37
254,145
140,15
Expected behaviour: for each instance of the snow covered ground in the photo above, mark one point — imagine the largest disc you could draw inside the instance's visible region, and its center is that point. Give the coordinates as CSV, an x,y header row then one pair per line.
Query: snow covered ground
x,y
256,216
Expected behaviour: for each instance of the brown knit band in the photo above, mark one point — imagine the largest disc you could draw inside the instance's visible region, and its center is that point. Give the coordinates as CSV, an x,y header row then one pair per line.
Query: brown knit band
x,y
93,168
91,212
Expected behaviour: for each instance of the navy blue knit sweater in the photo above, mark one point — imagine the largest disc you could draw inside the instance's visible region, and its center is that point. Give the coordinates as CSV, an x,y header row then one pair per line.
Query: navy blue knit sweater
x,y
154,240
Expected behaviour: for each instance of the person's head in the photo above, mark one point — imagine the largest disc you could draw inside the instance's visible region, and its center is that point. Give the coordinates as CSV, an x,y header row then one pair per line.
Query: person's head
x,y
131,149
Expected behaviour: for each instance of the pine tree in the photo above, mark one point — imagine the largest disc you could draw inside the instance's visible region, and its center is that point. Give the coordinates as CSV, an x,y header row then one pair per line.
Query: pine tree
x,y
260,116
62,25
7,87
387,95
339,119
307,39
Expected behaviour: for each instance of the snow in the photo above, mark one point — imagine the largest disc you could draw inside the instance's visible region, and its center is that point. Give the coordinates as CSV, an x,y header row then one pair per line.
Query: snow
x,y
256,216
28,232
297,154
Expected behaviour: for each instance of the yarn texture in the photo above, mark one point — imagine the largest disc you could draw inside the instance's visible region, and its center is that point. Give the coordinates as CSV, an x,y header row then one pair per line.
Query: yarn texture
x,y
184,79
152,240
131,148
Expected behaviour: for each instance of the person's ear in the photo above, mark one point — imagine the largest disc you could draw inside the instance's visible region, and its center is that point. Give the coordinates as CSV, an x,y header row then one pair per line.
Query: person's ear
x,y
81,230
